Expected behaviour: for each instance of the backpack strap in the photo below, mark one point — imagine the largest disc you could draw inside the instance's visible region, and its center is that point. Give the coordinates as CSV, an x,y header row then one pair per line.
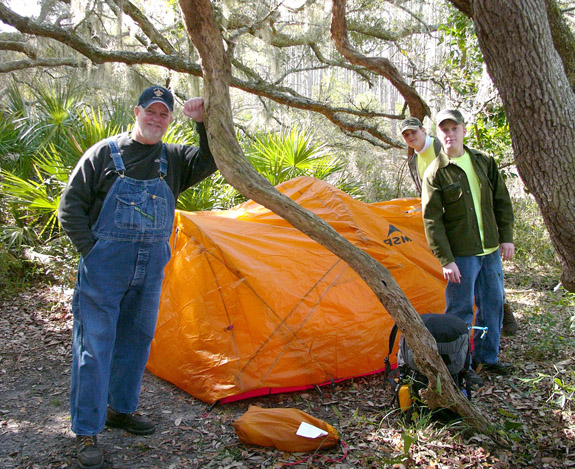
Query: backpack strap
x,y
464,373
392,337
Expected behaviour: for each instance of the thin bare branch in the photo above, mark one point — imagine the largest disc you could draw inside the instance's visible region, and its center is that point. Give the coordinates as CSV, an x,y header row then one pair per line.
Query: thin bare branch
x,y
341,64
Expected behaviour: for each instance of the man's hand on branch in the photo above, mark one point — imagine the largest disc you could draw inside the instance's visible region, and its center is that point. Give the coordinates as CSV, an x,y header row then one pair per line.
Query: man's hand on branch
x,y
194,109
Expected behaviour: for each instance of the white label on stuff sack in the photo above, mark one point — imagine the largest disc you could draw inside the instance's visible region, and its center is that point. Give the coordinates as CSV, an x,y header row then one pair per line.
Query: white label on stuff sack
x,y
309,431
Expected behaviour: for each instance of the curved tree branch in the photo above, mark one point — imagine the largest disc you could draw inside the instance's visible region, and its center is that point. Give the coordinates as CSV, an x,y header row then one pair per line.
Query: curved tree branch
x,y
235,167
382,66
335,115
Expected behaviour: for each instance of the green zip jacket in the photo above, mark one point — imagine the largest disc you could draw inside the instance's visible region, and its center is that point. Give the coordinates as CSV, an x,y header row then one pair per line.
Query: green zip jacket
x,y
449,216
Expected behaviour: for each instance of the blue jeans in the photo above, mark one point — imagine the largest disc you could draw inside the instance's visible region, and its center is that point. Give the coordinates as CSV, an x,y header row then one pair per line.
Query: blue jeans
x,y
115,309
482,282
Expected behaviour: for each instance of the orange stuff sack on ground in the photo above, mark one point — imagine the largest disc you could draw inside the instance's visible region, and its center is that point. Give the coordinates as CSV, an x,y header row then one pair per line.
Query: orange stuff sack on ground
x,y
250,305
278,428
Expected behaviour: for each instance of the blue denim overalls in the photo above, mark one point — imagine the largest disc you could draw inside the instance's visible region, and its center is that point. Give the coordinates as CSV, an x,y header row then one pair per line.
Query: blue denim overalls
x,y
117,296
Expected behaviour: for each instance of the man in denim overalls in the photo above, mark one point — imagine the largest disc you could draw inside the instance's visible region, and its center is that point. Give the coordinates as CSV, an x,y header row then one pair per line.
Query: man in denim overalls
x,y
118,210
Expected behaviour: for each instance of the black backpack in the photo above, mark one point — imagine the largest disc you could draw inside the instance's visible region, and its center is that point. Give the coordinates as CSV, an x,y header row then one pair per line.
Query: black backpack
x,y
454,346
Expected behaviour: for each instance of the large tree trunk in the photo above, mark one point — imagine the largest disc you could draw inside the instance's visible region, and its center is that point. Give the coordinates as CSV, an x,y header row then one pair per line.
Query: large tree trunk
x,y
517,44
233,165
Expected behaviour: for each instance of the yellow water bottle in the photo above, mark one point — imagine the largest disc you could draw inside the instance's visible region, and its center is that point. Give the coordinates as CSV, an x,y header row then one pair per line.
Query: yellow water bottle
x,y
404,397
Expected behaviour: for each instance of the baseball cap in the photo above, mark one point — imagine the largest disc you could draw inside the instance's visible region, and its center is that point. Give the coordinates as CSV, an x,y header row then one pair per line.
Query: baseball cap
x,y
156,94
411,123
449,114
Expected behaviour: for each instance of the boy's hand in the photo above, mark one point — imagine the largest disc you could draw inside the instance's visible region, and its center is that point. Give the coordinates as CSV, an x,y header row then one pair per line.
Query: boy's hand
x,y
507,250
451,273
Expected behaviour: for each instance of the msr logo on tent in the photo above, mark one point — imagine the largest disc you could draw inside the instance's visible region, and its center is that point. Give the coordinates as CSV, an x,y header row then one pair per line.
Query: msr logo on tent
x,y
398,238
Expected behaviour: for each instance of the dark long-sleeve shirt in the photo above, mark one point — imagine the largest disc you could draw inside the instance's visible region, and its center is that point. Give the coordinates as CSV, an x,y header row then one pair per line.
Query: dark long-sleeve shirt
x,y
95,174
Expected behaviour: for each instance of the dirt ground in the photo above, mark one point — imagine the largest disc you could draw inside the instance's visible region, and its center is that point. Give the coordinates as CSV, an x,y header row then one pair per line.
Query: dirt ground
x,y
35,357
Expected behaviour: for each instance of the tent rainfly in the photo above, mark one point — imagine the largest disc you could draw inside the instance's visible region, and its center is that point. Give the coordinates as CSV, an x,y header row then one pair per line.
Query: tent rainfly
x,y
251,306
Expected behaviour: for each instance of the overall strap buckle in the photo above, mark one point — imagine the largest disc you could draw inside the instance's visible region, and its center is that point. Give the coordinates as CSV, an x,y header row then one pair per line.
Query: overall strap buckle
x,y
116,157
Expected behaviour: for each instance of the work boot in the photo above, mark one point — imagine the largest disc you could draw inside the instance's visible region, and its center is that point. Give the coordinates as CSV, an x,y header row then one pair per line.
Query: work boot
x,y
474,379
509,322
90,455
499,368
132,423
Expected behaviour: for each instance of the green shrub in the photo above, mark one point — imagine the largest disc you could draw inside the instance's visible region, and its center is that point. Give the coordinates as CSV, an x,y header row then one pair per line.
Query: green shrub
x,y
15,272
533,249
551,326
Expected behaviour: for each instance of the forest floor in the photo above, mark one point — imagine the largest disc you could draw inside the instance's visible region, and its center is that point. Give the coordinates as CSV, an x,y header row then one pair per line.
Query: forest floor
x,y
533,407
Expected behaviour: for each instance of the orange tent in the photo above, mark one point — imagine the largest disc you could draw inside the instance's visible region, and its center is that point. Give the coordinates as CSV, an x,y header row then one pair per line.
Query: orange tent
x,y
251,305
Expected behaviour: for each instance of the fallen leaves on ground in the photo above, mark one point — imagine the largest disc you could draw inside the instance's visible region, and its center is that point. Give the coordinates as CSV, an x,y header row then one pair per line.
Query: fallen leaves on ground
x,y
35,356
